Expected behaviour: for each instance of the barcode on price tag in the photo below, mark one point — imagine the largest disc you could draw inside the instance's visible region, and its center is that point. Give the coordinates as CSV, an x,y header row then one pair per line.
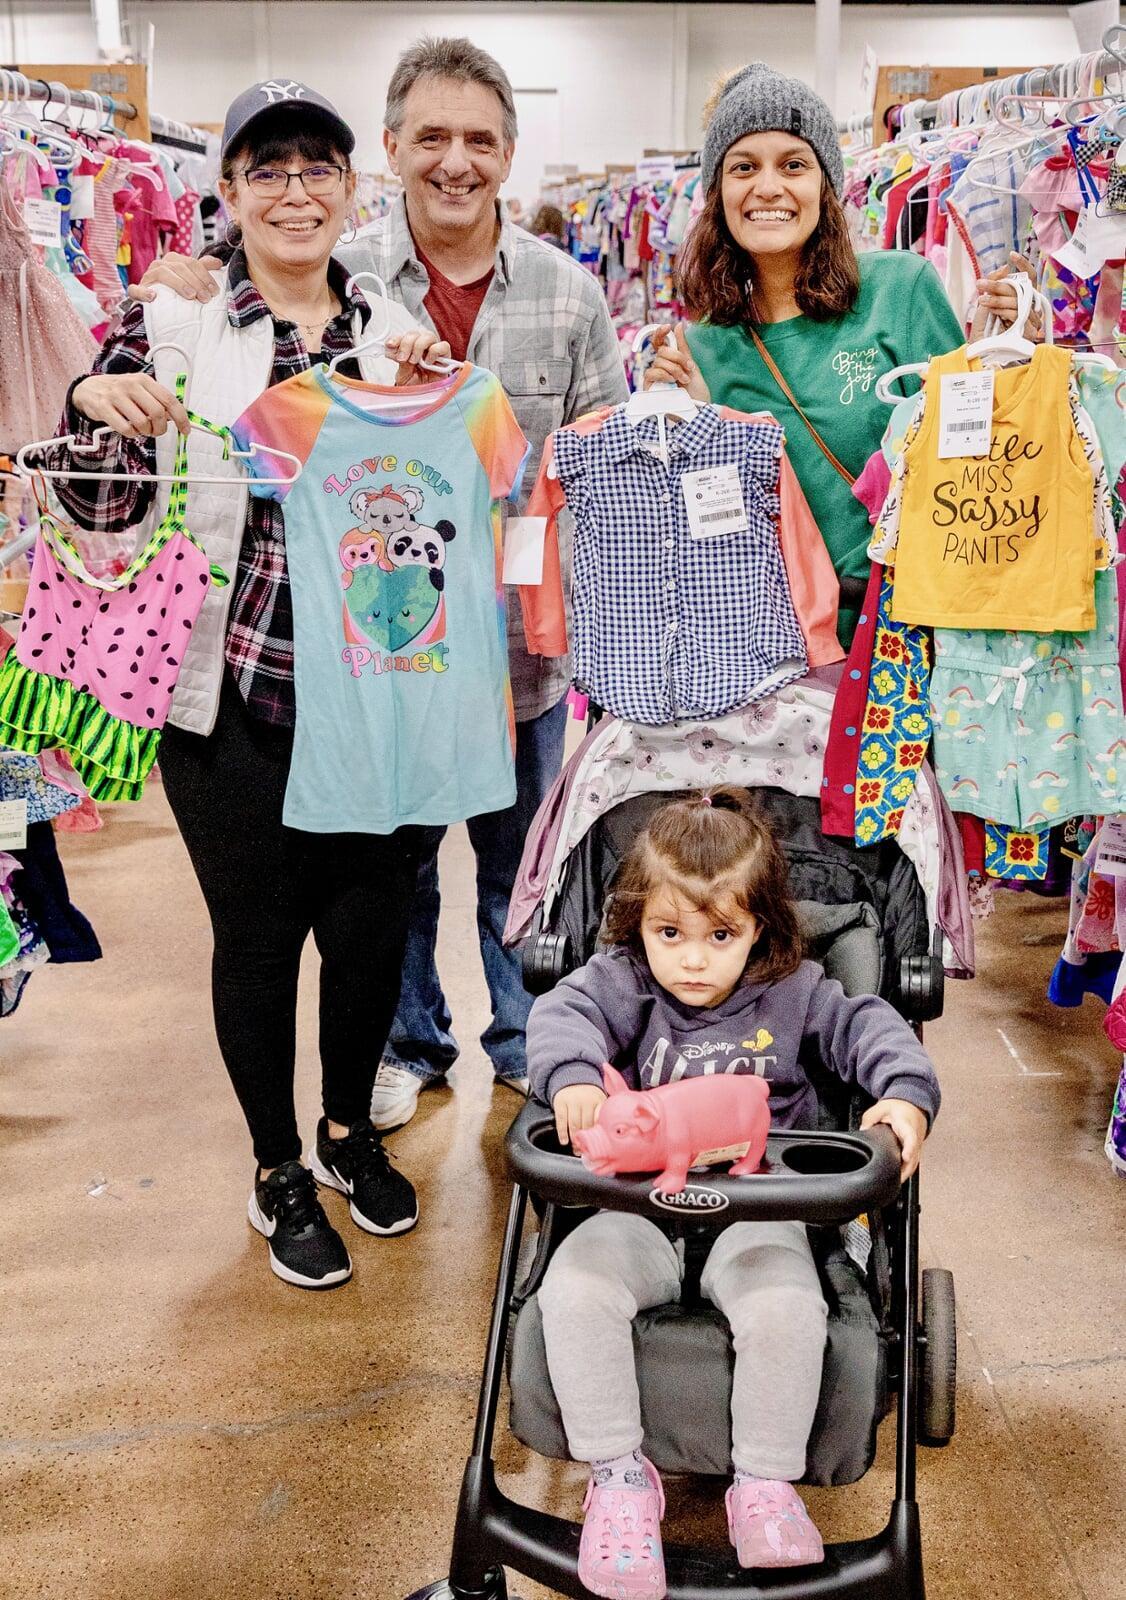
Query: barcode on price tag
x,y
1111,856
44,221
13,824
713,499
965,414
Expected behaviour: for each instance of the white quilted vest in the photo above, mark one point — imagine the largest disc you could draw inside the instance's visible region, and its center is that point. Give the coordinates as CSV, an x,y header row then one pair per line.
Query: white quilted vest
x,y
227,368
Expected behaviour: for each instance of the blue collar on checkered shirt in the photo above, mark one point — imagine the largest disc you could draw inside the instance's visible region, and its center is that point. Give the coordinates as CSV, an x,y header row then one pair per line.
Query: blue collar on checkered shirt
x,y
622,438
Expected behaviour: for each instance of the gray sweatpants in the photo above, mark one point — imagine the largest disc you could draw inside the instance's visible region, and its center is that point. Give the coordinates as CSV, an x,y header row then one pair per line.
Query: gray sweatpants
x,y
762,1277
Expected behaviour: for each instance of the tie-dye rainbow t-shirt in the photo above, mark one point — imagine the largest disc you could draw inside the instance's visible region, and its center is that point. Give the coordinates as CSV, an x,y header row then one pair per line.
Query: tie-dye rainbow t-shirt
x,y
393,540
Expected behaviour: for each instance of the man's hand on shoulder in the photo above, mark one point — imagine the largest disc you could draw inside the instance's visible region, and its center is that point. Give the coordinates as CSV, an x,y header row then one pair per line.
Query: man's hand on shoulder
x,y
187,276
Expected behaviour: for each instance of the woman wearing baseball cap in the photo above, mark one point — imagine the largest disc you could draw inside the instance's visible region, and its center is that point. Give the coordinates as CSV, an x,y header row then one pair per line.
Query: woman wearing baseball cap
x,y
284,302
786,318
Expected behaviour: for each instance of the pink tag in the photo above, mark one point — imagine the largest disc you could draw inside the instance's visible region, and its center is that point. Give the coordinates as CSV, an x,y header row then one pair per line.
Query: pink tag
x,y
580,705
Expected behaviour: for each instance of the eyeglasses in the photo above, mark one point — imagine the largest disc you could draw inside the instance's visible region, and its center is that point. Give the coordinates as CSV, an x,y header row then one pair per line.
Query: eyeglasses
x,y
272,182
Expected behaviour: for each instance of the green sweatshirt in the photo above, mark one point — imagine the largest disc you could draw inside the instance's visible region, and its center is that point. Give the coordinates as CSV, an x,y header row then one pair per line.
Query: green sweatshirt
x,y
902,314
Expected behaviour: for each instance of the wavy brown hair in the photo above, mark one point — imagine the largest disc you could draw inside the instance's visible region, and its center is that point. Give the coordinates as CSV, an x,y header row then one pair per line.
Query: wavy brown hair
x,y
708,848
716,275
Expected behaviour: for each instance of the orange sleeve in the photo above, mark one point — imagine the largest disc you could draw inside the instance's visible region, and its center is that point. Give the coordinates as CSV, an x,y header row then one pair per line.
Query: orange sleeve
x,y
814,587
541,604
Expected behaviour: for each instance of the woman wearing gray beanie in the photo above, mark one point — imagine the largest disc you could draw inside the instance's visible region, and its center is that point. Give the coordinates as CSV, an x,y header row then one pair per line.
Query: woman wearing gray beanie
x,y
786,318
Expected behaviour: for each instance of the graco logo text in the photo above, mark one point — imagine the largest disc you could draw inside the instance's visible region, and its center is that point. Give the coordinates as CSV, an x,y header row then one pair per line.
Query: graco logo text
x,y
690,1200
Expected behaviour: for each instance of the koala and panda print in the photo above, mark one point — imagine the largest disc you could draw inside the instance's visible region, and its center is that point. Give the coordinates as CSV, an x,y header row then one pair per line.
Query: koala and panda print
x,y
387,535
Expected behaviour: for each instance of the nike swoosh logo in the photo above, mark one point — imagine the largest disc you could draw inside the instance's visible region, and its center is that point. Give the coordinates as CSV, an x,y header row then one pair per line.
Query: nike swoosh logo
x,y
269,1223
348,1185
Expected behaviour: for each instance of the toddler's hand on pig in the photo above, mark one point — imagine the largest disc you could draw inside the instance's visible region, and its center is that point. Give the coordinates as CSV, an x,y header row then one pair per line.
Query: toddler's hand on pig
x,y
908,1124
576,1108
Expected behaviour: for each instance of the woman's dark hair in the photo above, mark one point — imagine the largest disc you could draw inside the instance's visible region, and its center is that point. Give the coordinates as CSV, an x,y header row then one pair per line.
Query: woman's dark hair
x,y
716,275
279,141
707,849
548,219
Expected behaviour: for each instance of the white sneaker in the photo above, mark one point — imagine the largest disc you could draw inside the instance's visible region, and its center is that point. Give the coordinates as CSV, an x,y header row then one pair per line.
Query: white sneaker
x,y
394,1099
517,1085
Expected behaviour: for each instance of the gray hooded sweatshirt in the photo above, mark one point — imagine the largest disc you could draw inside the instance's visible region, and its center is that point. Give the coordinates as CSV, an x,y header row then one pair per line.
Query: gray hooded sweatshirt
x,y
613,1009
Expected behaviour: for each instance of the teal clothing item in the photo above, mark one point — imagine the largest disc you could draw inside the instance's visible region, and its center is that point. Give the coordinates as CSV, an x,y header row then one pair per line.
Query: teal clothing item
x,y
1028,727
902,315
393,545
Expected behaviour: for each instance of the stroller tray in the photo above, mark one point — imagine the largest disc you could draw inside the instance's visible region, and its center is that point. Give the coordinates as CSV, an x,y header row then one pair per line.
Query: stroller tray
x,y
807,1176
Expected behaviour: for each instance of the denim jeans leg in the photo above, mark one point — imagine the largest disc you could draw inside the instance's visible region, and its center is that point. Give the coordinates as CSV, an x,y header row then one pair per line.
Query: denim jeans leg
x,y
420,1037
498,843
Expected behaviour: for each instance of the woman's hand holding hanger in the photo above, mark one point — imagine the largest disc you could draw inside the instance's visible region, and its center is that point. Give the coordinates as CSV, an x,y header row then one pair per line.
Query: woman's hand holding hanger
x,y
674,364
131,403
996,298
410,350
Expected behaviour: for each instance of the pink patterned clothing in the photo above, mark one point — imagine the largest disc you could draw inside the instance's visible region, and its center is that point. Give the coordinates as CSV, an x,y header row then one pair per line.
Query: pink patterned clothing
x,y
120,641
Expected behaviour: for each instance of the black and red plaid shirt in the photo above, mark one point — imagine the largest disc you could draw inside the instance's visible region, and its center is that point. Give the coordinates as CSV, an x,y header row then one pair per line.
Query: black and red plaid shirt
x,y
259,647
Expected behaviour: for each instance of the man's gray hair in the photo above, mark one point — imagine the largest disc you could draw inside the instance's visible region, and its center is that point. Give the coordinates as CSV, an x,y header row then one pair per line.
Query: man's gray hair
x,y
459,59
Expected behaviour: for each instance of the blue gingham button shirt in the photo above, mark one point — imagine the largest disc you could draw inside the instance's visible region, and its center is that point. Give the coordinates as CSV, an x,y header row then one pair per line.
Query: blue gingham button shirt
x,y
668,627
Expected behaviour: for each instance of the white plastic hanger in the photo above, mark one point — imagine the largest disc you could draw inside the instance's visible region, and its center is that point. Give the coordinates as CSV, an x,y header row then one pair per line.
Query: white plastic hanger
x,y
374,342
661,401
70,440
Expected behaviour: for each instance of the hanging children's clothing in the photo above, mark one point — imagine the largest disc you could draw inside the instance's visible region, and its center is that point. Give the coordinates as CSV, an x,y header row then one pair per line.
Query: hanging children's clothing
x,y
97,660
1006,539
393,542
44,342
682,604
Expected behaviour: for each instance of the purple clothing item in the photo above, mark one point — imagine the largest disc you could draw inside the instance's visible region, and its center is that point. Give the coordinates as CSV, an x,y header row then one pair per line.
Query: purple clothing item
x,y
613,1009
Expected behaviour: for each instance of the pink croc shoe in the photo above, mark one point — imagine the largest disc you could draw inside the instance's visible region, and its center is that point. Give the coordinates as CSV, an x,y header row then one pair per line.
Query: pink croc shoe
x,y
620,1554
770,1527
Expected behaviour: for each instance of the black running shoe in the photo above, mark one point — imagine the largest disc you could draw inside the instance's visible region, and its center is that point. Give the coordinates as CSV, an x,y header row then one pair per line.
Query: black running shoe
x,y
380,1199
305,1248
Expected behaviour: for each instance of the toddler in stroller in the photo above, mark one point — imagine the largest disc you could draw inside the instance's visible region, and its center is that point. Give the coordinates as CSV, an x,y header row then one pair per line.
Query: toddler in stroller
x,y
704,974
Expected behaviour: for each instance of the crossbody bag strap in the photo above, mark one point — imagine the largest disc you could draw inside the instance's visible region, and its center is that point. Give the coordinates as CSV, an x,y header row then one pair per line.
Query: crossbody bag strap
x,y
772,368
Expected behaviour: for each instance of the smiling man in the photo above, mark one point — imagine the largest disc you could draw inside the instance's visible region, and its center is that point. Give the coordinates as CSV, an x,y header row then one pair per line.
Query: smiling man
x,y
507,301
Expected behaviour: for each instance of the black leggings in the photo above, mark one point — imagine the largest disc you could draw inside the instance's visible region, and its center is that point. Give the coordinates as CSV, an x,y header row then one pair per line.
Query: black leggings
x,y
266,887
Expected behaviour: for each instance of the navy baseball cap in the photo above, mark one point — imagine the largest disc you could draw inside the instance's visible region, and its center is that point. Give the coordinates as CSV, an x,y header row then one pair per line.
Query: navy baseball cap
x,y
254,102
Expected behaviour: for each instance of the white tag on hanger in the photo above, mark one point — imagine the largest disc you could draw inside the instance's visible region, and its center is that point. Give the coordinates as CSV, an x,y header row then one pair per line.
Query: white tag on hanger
x,y
13,824
44,220
713,499
82,197
1110,858
523,549
965,414
1099,237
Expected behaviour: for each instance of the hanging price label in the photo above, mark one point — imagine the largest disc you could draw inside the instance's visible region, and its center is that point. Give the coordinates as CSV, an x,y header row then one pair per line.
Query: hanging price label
x,y
713,499
1110,858
82,197
44,220
965,414
13,824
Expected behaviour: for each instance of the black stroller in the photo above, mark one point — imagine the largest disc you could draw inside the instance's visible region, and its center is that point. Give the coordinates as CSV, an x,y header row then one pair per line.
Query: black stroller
x,y
865,919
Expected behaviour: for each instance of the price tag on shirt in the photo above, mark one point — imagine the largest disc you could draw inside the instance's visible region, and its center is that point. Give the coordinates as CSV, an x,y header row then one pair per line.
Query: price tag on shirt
x,y
523,549
82,197
44,221
1110,859
13,824
965,414
713,499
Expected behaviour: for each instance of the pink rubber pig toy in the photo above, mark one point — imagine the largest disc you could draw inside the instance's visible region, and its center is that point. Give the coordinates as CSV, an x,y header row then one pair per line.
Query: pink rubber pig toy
x,y
672,1126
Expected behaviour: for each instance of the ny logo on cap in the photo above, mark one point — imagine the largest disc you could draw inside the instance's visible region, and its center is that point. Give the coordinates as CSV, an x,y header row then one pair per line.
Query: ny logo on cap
x,y
275,91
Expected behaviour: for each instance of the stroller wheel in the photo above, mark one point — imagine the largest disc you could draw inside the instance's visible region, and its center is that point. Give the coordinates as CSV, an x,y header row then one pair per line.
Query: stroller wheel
x,y
496,1590
939,1366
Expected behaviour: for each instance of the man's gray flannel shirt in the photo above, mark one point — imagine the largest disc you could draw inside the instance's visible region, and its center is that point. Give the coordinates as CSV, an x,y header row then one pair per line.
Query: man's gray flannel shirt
x,y
544,329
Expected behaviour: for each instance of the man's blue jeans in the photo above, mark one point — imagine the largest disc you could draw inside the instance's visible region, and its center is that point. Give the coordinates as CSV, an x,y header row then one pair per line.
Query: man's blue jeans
x,y
420,1037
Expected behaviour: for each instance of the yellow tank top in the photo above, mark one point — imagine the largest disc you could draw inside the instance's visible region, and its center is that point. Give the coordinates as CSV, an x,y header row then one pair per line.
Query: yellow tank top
x,y
1005,540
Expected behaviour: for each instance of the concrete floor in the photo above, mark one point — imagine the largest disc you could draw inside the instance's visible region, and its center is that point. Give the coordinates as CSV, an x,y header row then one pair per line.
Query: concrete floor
x,y
179,1425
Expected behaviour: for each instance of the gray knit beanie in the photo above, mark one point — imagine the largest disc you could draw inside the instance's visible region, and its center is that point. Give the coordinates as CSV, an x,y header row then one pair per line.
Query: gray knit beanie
x,y
759,100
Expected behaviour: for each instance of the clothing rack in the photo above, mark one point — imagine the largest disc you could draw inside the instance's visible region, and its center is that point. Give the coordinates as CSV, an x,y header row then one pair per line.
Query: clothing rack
x,y
1056,82
38,91
178,135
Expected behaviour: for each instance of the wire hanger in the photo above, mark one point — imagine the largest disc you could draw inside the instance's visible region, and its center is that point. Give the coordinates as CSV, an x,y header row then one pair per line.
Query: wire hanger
x,y
62,474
